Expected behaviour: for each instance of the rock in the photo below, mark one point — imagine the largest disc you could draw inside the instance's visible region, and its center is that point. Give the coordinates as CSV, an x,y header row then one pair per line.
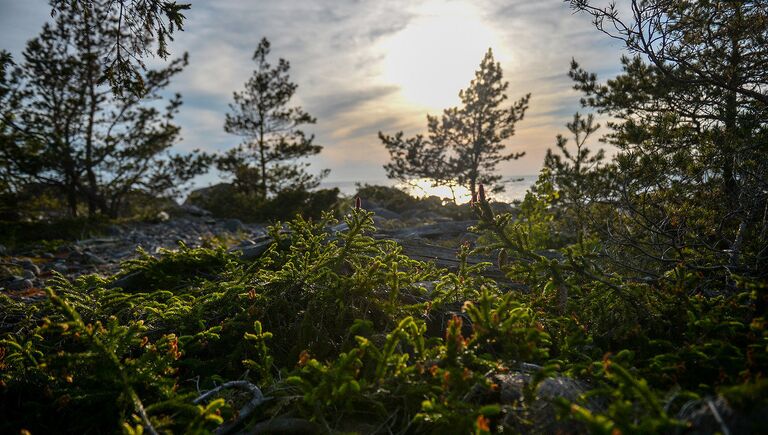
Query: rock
x,y
424,215
194,210
254,251
542,414
338,228
7,273
28,274
438,230
114,231
129,282
66,251
27,264
163,216
93,258
233,225
715,414
59,267
384,213
19,284
48,256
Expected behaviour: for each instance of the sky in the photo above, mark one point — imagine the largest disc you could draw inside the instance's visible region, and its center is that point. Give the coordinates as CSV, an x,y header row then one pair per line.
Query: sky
x,y
364,66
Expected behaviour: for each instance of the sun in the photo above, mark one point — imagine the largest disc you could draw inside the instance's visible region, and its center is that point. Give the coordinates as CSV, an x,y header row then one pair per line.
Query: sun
x,y
422,188
436,55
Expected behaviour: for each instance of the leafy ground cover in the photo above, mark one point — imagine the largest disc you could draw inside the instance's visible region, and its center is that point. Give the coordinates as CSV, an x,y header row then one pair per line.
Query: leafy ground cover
x,y
333,331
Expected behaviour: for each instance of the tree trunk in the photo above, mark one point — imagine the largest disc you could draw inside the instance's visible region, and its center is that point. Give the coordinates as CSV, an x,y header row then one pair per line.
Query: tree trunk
x,y
72,199
263,159
93,188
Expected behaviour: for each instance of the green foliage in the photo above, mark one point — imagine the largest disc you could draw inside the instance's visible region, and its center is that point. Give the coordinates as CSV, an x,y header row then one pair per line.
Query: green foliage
x,y
639,284
464,145
142,24
337,328
634,408
174,269
63,128
266,163
22,234
397,200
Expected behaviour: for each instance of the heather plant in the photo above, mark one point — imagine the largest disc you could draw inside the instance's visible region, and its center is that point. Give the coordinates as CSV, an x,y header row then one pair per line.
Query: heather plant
x,y
333,329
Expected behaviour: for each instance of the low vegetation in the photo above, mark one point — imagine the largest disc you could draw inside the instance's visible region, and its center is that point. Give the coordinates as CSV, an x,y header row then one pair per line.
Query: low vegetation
x,y
332,330
628,295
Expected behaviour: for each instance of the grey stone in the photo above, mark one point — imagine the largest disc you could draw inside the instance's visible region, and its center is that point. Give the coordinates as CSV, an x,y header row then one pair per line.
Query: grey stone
x,y
233,225
93,258
385,213
339,228
114,231
437,230
254,251
27,264
542,413
194,210
715,414
28,274
128,282
20,284
59,267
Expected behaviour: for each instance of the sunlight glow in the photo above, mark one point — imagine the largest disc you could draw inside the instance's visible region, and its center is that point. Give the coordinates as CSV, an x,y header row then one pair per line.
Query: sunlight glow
x,y
436,55
422,188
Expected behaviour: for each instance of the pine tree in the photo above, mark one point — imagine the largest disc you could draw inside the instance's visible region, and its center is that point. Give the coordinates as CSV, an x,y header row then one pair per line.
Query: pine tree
x,y
141,23
465,145
64,128
691,125
266,162
578,174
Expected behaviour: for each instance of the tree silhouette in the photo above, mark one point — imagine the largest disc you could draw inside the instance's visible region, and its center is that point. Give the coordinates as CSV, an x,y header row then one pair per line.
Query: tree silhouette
x,y
691,126
140,24
267,161
63,128
466,143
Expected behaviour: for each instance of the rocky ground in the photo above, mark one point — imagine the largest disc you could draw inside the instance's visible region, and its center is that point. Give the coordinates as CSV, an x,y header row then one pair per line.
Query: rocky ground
x,y
23,274
429,237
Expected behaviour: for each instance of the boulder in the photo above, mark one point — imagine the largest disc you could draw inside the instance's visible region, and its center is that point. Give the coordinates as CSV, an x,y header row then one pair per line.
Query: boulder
x,y
254,251
27,264
437,230
540,415
717,415
233,225
385,213
19,284
91,258
194,210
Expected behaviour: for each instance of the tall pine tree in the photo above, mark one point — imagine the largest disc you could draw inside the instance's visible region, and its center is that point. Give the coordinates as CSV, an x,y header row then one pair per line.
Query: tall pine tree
x,y
267,161
64,127
691,124
466,144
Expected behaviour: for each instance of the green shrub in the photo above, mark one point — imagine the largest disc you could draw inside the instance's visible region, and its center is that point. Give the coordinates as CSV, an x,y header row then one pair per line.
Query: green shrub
x,y
224,201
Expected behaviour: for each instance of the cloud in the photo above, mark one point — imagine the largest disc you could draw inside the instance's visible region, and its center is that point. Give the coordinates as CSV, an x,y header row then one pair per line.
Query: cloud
x,y
337,52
